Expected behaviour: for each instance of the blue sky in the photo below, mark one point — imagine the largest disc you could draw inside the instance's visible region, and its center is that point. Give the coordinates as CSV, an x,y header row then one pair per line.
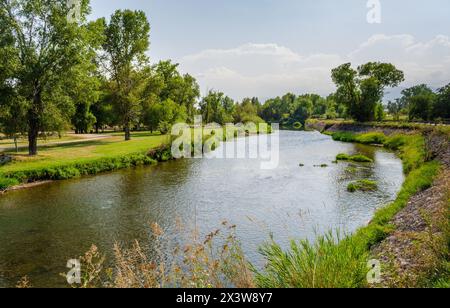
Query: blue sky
x,y
268,47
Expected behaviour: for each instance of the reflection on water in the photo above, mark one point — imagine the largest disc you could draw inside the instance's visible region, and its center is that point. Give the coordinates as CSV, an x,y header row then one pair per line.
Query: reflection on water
x,y
43,227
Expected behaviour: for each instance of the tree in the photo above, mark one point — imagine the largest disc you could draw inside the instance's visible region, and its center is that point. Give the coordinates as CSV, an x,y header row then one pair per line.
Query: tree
x,y
380,114
43,48
421,107
419,101
183,90
162,115
217,108
412,103
395,108
127,40
302,110
84,89
442,106
360,90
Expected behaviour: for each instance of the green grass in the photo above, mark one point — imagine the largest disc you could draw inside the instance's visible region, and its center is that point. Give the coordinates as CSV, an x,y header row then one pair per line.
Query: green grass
x,y
362,185
368,138
327,263
84,158
354,158
7,182
410,148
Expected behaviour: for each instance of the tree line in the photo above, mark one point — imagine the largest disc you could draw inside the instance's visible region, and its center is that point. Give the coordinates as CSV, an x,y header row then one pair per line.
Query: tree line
x,y
58,74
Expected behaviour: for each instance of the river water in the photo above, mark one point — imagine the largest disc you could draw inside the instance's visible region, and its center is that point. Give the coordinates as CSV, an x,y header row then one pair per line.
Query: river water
x,y
43,227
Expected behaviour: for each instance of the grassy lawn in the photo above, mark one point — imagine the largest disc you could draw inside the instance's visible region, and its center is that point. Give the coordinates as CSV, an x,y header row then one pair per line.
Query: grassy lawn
x,y
58,155
9,143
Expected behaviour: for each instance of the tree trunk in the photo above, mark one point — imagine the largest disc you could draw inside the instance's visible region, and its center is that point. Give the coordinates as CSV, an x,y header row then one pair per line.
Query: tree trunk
x,y
33,124
33,133
15,144
127,132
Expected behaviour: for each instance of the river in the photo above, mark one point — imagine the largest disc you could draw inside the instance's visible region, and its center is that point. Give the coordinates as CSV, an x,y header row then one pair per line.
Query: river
x,y
43,227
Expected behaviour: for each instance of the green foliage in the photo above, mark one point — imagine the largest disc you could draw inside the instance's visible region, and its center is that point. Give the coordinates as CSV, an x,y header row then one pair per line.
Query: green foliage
x,y
411,149
362,89
290,109
79,168
7,182
126,41
43,53
327,263
441,108
362,185
217,108
355,158
297,125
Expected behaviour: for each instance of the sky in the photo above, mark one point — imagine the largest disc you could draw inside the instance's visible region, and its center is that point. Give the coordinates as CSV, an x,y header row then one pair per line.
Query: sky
x,y
266,48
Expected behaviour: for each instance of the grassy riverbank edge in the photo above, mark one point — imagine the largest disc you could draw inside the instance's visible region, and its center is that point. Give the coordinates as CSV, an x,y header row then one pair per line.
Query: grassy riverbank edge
x,y
87,166
334,261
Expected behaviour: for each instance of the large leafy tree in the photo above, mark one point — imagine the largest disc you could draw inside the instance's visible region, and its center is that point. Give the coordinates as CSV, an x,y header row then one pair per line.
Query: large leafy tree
x,y
182,89
419,101
442,106
360,90
42,47
127,40
216,107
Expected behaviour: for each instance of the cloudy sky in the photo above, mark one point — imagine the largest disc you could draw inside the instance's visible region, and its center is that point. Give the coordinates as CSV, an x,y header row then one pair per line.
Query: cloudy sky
x,y
266,48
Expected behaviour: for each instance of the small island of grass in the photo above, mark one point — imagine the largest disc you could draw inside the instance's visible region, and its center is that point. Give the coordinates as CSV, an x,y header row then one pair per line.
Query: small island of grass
x,y
359,158
362,185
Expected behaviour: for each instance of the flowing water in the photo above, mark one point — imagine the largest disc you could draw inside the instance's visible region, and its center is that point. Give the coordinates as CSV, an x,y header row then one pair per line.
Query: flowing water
x,y
43,227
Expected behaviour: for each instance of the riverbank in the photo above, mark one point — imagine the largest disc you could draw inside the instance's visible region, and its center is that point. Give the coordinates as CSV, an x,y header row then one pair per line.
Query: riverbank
x,y
66,161
72,159
412,234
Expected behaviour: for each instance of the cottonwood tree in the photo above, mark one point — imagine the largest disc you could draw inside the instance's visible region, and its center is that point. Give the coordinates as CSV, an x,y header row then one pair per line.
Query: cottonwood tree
x,y
127,40
43,46
360,90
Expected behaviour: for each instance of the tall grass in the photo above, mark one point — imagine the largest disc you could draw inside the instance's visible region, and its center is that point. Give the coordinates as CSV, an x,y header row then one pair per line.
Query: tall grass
x,y
327,263
215,262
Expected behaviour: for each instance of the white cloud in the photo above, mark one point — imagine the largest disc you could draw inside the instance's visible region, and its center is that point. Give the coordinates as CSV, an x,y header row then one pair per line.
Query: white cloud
x,y
268,70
